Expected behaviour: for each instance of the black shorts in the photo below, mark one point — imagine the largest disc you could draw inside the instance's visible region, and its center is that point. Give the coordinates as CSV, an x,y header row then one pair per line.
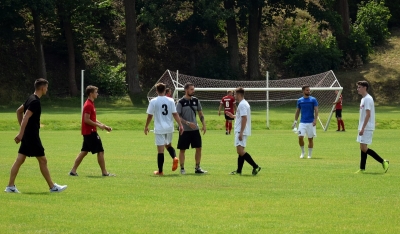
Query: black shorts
x,y
92,143
31,146
228,118
338,113
189,138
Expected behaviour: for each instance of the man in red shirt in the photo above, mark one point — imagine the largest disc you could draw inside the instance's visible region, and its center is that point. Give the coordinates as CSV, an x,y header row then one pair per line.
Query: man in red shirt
x,y
91,140
338,110
229,104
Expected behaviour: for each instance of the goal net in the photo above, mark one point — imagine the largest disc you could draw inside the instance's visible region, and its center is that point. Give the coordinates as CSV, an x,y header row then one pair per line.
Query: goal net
x,y
262,94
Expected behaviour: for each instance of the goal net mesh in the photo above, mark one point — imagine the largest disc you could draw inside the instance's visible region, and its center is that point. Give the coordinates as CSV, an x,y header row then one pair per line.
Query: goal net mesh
x,y
258,100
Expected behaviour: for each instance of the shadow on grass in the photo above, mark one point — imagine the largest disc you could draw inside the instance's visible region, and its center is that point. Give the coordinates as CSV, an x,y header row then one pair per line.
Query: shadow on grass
x,y
33,193
374,173
98,177
168,175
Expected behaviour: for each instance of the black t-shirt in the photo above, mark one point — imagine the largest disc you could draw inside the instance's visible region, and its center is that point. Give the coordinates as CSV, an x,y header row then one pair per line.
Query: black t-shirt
x,y
33,104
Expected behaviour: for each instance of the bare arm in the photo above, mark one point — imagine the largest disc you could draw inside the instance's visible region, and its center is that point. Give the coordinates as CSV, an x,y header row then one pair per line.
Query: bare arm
x,y
87,120
315,115
203,122
24,122
296,115
243,124
20,114
367,117
178,121
148,120
219,109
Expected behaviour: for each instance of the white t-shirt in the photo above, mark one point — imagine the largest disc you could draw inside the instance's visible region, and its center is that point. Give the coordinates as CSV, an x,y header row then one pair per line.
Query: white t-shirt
x,y
243,109
162,108
367,103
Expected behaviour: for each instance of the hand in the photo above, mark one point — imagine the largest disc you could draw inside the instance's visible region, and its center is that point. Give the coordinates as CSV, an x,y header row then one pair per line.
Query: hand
x,y
146,130
294,124
108,128
240,136
181,130
361,132
17,139
204,129
314,123
229,114
192,125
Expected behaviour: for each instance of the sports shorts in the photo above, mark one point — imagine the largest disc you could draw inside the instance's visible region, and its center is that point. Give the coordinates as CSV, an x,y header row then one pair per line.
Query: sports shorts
x,y
240,142
92,143
338,113
228,118
31,146
307,129
189,138
366,138
163,139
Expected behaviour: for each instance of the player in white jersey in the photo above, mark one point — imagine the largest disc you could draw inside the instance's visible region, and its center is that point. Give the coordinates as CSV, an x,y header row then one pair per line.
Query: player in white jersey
x,y
242,131
366,127
163,109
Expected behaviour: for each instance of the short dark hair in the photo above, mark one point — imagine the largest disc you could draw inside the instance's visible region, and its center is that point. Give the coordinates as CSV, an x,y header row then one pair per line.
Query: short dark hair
x,y
240,90
304,87
363,83
90,89
187,85
40,82
160,87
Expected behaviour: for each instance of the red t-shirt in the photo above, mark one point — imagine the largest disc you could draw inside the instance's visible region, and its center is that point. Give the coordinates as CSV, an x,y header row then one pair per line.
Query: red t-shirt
x,y
339,104
228,102
88,108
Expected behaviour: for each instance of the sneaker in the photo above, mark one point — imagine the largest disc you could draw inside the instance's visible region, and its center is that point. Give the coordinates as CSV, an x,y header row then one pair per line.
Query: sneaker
x,y
108,174
199,171
11,189
158,173
385,165
308,156
73,174
58,188
361,171
183,171
175,164
226,132
235,173
256,170
301,155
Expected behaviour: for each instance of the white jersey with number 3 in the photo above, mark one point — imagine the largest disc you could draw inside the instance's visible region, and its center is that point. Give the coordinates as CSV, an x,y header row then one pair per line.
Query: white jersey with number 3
x,y
243,109
162,108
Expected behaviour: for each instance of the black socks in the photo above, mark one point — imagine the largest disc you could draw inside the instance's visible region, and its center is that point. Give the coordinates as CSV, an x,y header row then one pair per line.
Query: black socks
x,y
160,162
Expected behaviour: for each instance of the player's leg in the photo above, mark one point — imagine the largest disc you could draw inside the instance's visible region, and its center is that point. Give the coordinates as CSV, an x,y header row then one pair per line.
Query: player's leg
x,y
87,146
44,170
171,151
311,133
183,145
310,147
226,127
197,144
367,139
15,169
301,134
78,161
229,126
160,140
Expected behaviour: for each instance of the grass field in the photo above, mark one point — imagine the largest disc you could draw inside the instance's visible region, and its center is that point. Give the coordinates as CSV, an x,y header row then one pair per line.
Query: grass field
x,y
289,195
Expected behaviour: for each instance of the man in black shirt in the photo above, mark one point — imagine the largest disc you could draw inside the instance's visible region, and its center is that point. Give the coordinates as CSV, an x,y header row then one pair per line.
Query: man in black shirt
x,y
28,115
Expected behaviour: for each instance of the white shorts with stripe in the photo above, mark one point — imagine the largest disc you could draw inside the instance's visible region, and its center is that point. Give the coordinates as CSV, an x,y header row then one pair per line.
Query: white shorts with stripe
x,y
307,129
366,138
242,142
163,139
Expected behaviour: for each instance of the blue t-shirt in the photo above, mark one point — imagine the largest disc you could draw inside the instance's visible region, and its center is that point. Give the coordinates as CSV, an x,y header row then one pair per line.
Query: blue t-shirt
x,y
306,106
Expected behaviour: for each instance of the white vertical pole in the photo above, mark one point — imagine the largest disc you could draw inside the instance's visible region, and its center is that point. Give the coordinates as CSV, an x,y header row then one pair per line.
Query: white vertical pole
x,y
82,89
267,96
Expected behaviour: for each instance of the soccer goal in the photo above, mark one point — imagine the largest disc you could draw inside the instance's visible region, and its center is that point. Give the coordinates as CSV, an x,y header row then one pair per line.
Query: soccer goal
x,y
262,94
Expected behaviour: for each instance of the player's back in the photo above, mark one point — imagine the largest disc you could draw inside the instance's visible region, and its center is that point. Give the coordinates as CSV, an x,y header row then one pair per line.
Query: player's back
x,y
162,108
228,101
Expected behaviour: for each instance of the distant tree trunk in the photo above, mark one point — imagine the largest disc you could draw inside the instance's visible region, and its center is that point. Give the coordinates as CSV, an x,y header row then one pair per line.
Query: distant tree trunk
x,y
233,41
41,65
342,8
253,65
132,71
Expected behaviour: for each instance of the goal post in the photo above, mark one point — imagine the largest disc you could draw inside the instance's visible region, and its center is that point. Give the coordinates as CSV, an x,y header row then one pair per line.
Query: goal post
x,y
262,94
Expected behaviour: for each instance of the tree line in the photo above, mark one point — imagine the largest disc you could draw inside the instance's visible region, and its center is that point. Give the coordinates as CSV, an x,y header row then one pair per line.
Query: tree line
x,y
130,43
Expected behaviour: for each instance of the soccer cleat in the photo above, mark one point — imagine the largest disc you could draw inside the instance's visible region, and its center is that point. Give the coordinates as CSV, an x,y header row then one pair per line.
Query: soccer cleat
x,y
175,164
361,171
199,171
183,171
235,173
58,188
385,165
11,189
226,132
73,174
158,173
301,155
256,170
108,174
308,156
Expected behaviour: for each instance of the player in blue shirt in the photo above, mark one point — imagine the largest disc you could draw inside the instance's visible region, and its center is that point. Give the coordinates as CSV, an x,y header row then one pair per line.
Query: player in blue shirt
x,y
308,107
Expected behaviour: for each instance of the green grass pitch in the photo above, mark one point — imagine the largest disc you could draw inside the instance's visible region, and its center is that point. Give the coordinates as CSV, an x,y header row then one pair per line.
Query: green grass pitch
x,y
289,195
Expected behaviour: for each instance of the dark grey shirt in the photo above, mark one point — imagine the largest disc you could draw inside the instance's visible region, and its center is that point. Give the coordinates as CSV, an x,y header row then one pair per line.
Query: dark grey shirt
x,y
187,113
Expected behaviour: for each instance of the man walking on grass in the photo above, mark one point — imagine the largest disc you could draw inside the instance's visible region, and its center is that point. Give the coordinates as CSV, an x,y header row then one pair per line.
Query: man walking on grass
x,y
28,115
242,131
366,127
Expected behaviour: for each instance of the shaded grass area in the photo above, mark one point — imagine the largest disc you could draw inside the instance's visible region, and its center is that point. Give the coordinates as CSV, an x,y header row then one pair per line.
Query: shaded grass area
x,y
289,195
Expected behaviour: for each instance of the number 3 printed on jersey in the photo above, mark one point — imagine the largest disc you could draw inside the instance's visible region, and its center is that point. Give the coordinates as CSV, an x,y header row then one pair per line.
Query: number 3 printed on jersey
x,y
165,107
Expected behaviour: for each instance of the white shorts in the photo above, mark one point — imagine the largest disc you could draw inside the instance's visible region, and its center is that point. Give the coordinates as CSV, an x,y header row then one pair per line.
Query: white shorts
x,y
366,138
242,142
163,139
307,129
